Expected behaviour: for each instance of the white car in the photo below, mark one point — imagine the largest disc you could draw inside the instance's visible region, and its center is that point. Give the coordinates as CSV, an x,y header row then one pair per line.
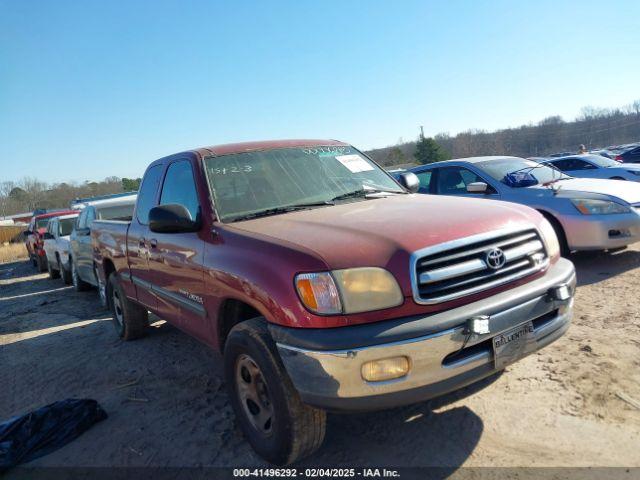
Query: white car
x,y
595,166
56,246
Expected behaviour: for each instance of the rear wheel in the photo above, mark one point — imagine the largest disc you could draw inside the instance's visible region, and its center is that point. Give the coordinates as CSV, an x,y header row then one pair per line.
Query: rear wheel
x,y
277,424
130,319
79,285
53,273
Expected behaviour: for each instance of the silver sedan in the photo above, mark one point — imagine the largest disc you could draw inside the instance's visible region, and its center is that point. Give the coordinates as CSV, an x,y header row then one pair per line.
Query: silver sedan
x,y
587,214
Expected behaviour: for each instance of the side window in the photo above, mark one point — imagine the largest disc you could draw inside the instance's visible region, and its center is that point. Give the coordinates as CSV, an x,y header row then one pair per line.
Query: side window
x,y
91,216
454,180
425,181
562,165
180,188
147,193
81,222
582,165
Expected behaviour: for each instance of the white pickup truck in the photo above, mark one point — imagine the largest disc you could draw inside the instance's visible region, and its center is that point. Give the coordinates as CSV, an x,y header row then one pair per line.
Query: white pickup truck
x,y
56,246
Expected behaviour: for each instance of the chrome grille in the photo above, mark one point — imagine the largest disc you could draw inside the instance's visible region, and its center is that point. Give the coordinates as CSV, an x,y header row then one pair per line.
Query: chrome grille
x,y
455,269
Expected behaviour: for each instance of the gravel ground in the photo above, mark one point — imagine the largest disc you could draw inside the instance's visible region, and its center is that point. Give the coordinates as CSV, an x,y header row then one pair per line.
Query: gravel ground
x,y
564,406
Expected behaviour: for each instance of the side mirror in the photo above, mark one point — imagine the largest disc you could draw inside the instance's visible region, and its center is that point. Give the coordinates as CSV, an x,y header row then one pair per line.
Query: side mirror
x,y
48,236
410,181
477,187
172,218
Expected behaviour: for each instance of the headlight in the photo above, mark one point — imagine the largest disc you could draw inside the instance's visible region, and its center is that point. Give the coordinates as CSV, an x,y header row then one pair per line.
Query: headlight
x,y
588,206
352,290
550,238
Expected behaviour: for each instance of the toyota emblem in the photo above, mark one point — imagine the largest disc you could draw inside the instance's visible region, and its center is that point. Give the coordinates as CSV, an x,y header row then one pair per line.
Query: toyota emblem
x,y
495,258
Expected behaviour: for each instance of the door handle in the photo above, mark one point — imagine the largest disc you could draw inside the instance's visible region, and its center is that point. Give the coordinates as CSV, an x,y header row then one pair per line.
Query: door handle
x,y
153,242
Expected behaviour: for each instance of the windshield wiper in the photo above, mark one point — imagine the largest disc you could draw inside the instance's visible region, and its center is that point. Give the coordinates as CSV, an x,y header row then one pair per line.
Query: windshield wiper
x,y
362,193
283,209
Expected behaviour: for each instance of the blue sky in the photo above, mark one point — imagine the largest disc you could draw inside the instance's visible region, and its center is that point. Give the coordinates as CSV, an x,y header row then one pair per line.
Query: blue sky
x,y
90,89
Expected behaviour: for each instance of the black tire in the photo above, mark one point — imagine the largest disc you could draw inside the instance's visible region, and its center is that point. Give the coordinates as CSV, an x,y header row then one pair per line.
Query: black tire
x,y
102,289
130,319
34,262
65,274
294,430
562,238
53,273
79,285
41,263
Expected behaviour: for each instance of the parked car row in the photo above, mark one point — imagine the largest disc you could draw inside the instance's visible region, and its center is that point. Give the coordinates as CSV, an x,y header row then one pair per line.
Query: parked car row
x,y
586,214
60,243
329,284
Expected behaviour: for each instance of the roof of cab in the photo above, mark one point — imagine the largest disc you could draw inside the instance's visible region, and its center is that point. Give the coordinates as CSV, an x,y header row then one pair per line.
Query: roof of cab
x,y
54,214
230,148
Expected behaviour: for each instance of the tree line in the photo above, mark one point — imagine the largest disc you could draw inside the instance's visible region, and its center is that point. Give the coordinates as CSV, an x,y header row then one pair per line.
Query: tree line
x,y
31,194
594,127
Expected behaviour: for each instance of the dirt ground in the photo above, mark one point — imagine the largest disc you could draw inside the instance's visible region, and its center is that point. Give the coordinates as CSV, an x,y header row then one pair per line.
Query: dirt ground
x,y
167,406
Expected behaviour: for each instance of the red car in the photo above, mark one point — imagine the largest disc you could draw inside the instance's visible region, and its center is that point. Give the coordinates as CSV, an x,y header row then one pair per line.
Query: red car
x,y
327,284
34,240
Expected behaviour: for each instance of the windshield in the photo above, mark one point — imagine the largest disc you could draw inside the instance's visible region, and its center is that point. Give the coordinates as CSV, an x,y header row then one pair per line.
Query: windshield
x,y
66,225
42,223
247,183
118,212
498,169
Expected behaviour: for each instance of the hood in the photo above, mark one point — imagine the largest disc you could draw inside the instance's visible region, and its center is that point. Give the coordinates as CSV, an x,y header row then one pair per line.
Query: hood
x,y
385,231
624,190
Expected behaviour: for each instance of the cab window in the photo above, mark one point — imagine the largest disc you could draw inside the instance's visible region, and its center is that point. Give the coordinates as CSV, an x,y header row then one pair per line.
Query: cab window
x,y
454,181
91,216
81,222
425,181
180,188
147,194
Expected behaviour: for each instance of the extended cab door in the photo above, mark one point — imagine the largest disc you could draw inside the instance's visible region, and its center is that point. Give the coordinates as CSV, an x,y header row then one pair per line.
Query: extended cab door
x,y
81,247
176,258
138,245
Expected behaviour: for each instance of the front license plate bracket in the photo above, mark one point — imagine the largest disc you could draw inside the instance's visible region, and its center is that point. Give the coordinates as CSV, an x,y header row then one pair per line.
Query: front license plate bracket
x,y
513,344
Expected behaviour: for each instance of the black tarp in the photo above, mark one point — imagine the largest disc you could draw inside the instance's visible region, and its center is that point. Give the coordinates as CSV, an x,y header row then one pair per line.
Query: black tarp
x,y
26,437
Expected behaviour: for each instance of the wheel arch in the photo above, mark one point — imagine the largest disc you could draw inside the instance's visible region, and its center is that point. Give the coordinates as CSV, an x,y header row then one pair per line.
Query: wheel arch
x,y
559,228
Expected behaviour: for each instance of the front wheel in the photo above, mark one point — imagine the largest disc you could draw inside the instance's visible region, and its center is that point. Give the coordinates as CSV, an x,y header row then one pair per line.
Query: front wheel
x,y
277,424
130,319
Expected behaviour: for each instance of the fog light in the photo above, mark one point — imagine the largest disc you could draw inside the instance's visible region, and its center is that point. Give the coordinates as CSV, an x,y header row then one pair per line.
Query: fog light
x,y
563,292
385,369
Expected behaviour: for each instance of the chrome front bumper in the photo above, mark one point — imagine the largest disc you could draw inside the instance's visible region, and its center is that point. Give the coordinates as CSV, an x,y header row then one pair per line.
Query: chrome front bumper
x,y
598,232
331,378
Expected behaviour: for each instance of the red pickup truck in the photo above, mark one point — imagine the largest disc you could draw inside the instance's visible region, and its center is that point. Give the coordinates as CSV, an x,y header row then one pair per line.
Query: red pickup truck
x,y
34,237
327,284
